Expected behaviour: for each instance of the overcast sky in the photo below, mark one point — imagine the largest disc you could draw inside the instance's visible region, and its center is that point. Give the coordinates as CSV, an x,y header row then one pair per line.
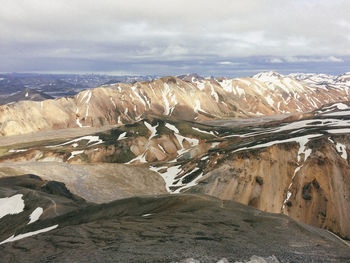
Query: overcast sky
x,y
169,37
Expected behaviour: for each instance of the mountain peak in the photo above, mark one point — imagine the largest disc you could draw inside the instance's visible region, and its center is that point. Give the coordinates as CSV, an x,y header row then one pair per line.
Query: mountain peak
x,y
193,77
266,75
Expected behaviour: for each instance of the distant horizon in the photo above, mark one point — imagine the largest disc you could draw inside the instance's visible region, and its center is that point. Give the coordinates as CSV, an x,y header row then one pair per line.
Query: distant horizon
x,y
129,74
165,38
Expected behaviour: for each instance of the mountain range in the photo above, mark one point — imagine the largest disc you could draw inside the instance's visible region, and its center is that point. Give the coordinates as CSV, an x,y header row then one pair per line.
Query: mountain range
x,y
222,161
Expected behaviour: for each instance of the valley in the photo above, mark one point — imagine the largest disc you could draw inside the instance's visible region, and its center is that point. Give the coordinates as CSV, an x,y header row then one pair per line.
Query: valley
x,y
160,161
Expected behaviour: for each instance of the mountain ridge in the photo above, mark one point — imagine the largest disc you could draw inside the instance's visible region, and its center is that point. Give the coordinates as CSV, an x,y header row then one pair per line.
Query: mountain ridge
x,y
191,99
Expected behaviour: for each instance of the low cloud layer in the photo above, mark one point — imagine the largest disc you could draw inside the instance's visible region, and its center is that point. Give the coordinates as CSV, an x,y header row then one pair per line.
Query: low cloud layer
x,y
168,36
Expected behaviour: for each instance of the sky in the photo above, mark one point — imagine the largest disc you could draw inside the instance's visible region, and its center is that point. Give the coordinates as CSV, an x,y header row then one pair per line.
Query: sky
x,y
172,37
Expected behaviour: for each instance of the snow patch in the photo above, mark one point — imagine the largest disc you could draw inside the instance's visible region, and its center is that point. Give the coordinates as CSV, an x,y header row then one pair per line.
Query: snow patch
x,y
11,205
74,153
153,129
35,215
341,148
169,175
122,136
198,106
78,123
171,127
146,215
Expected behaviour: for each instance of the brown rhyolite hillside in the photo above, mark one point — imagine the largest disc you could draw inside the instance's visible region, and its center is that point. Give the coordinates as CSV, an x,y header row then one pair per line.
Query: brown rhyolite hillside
x,y
199,99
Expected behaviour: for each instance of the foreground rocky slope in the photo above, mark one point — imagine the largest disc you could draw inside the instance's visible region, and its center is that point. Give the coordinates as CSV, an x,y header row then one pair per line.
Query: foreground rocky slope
x,y
170,228
298,166
188,97
26,200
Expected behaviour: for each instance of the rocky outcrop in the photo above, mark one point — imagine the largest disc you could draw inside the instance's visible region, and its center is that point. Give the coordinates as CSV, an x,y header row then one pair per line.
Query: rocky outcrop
x,y
315,191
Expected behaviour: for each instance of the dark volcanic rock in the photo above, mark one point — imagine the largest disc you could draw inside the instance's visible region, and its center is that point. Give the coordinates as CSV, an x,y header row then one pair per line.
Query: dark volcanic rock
x,y
57,188
170,228
58,201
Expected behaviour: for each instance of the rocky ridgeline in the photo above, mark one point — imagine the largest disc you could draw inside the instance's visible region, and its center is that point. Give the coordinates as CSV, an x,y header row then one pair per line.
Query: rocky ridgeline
x,y
187,98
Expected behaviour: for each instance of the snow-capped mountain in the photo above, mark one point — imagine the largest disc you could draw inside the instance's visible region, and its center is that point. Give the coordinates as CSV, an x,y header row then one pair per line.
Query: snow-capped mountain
x,y
323,80
193,98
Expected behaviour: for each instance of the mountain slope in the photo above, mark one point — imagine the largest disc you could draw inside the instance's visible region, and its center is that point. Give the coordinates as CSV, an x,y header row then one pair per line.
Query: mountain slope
x,y
195,99
298,166
170,228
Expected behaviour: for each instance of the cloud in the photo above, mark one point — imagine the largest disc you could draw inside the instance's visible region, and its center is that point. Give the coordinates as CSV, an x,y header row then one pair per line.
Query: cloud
x,y
275,60
126,33
305,60
313,59
225,63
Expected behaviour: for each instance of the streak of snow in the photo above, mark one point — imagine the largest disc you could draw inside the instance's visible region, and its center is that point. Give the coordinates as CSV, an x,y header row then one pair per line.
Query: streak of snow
x,y
90,138
133,88
248,83
121,136
18,151
190,184
89,98
141,158
115,106
146,215
268,144
336,131
181,138
162,148
338,113
202,131
269,100
35,215
33,233
74,153
198,106
240,91
166,102
213,92
78,123
153,129
171,127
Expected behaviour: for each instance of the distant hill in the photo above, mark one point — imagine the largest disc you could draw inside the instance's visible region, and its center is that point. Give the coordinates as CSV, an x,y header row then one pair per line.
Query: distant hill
x,y
27,94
